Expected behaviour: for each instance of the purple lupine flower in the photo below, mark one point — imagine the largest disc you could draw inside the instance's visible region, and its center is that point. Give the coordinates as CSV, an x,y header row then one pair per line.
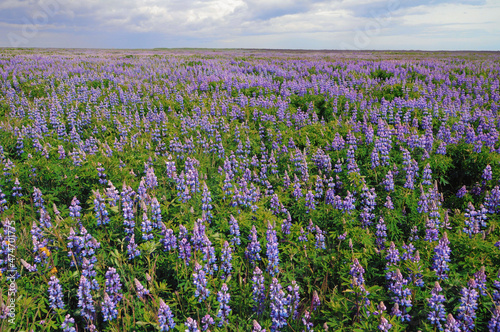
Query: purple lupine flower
x,y
101,174
128,216
200,282
16,190
487,174
358,283
113,285
303,237
310,202
474,220
146,228
427,176
100,209
318,188
192,325
253,249
432,223
55,294
437,313
297,191
392,255
62,153
206,200
452,325
89,272
279,303
37,198
293,289
85,301
27,266
348,203
384,325
141,290
165,317
207,320
132,248
275,204
168,238
74,209
401,294
389,181
155,212
466,313
234,230
461,192
320,239
65,326
480,281
306,320
441,258
223,298
492,200
381,233
109,310
226,258
209,256
256,327
184,245
388,203
494,324
258,291
315,301
286,225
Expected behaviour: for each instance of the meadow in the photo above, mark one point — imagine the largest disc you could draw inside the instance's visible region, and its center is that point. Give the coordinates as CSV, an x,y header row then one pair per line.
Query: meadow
x,y
249,190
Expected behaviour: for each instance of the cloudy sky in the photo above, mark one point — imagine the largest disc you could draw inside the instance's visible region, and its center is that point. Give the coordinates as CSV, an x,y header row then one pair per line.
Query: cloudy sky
x,y
298,24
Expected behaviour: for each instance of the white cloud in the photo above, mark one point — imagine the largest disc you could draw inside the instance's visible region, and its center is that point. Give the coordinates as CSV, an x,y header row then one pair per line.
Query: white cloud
x,y
269,23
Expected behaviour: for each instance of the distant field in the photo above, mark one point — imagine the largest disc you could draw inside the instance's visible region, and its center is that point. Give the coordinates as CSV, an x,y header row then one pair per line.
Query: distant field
x,y
249,190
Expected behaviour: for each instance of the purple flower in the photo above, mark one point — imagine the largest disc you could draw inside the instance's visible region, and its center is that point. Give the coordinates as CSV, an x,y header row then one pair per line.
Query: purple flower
x,y
85,301
192,325
200,282
74,209
441,258
315,301
168,238
165,317
113,285
226,258
310,202
132,249
381,233
141,290
358,283
437,313
279,303
384,325
272,250
55,294
109,308
234,230
100,209
65,326
207,320
146,227
461,192
466,313
487,174
223,298
452,325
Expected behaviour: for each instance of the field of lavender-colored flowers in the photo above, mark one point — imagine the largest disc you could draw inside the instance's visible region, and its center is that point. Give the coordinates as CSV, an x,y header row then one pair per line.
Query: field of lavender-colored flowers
x,y
249,190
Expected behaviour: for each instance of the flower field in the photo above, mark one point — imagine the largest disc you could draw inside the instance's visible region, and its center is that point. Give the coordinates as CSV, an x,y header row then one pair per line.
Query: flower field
x,y
249,191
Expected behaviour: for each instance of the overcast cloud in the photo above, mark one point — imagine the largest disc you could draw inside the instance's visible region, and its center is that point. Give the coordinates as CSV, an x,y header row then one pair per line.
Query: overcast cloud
x,y
315,24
